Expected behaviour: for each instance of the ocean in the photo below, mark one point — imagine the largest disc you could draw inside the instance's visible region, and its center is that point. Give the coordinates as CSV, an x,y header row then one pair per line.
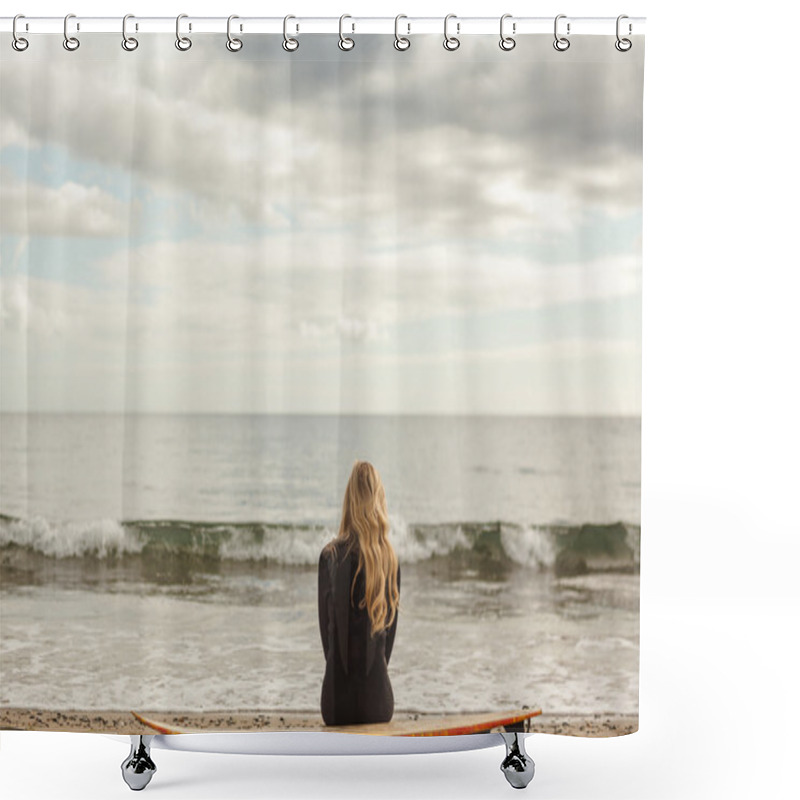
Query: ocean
x,y
169,561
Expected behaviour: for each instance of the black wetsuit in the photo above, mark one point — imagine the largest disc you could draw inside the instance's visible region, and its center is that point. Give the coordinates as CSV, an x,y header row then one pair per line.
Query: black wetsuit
x,y
356,687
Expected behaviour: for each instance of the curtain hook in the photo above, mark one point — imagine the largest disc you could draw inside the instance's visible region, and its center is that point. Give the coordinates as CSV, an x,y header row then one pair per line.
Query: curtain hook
x,y
507,42
451,42
561,43
129,43
70,42
181,42
289,44
18,42
233,44
623,45
401,42
345,42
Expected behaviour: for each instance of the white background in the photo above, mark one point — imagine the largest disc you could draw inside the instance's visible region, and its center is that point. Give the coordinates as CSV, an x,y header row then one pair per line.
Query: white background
x,y
719,702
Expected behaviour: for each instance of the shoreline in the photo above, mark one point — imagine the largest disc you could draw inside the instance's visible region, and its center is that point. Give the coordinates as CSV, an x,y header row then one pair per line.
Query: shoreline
x,y
592,725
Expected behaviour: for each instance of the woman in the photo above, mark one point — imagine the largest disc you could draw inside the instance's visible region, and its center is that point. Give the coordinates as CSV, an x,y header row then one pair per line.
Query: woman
x,y
359,593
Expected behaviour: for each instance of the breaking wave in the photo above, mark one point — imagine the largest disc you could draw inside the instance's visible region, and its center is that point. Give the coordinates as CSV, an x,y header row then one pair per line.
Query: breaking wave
x,y
567,549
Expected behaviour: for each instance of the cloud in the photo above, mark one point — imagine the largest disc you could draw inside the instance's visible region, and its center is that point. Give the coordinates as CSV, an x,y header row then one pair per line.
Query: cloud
x,y
42,310
322,284
71,209
321,139
345,202
343,328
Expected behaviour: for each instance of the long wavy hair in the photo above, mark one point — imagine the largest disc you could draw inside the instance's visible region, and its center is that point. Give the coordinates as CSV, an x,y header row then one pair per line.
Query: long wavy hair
x,y
365,525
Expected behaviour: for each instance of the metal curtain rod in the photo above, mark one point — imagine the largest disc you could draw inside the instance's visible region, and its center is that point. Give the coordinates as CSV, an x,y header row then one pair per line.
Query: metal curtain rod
x,y
409,25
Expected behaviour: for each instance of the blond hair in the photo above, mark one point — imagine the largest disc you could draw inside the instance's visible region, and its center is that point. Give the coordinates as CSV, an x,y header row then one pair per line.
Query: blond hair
x,y
365,522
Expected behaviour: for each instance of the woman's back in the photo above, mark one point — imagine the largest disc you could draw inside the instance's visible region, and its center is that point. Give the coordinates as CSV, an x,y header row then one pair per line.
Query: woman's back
x,y
356,688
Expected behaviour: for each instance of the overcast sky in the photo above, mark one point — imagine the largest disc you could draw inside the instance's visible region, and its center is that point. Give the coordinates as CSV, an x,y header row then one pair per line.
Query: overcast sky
x,y
362,232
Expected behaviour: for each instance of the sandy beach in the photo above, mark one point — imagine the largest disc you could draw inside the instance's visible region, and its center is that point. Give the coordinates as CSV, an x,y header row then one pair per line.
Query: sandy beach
x,y
122,722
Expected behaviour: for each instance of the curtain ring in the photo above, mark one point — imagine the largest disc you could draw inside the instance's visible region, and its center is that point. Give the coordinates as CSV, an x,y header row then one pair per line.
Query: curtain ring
x,y
181,42
70,42
18,42
450,42
129,43
507,42
345,42
289,44
233,44
401,42
561,43
623,45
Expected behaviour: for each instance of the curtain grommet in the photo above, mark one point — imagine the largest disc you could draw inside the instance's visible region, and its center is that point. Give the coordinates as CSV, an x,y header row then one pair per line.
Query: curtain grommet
x,y
19,43
129,43
345,42
233,44
561,43
623,44
71,43
507,42
451,43
183,43
289,43
401,43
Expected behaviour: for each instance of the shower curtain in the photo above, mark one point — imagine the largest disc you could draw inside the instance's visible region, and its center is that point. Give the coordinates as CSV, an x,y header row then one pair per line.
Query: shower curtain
x,y
228,275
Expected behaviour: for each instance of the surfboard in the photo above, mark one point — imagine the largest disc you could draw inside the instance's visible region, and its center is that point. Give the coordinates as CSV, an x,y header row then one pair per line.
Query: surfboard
x,y
446,725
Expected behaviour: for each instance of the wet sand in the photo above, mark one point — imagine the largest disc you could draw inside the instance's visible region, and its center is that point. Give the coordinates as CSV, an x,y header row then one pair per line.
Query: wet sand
x,y
122,722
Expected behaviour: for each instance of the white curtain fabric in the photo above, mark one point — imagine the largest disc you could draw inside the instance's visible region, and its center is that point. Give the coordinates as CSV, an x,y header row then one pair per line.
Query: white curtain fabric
x,y
227,276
